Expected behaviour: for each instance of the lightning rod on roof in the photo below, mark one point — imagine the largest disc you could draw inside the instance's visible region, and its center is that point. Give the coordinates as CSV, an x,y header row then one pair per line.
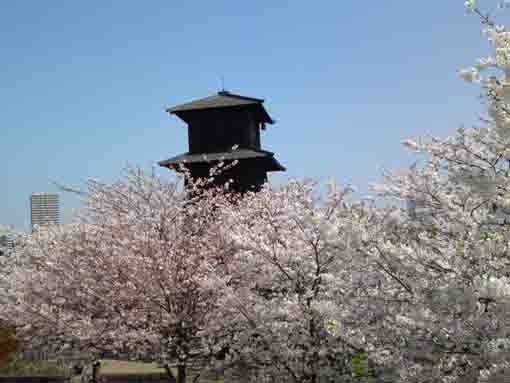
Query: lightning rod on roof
x,y
222,85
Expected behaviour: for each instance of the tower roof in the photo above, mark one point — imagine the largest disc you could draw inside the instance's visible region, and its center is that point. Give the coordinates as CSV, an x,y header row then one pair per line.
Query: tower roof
x,y
270,163
222,99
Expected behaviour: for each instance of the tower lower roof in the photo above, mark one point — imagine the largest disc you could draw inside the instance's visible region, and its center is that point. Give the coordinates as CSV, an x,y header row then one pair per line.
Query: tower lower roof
x,y
240,154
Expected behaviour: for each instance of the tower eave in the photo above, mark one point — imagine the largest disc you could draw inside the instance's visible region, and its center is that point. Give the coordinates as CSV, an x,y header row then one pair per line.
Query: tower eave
x,y
265,160
222,100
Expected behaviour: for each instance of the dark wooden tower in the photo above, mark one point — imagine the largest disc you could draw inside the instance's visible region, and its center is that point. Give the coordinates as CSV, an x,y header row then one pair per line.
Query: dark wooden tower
x,y
216,124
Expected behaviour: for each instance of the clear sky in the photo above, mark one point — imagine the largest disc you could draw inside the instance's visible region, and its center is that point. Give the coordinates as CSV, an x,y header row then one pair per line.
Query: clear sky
x,y
83,84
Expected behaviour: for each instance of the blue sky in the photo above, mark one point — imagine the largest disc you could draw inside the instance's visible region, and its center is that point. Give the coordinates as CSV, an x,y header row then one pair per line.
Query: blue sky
x,y
83,85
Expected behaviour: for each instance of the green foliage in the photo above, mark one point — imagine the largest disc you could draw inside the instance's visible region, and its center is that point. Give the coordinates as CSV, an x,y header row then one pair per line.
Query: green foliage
x,y
39,368
8,344
434,231
361,368
487,236
460,251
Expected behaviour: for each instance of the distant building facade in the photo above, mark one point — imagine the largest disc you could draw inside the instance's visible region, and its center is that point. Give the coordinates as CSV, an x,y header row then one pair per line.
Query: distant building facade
x,y
7,239
44,209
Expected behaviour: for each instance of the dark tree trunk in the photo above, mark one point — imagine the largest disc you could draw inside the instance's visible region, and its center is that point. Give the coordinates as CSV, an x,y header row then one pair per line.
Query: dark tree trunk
x,y
95,370
171,377
181,373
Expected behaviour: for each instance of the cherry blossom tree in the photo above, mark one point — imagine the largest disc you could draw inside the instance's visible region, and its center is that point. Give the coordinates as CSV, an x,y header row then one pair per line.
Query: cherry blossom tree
x,y
310,291
455,239
130,278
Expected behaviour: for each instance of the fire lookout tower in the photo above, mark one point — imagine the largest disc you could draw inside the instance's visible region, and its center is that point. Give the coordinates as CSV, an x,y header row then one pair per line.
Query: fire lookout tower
x,y
215,125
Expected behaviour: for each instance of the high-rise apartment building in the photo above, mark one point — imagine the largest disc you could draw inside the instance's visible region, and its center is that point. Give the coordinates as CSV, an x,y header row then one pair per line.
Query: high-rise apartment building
x,y
44,209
